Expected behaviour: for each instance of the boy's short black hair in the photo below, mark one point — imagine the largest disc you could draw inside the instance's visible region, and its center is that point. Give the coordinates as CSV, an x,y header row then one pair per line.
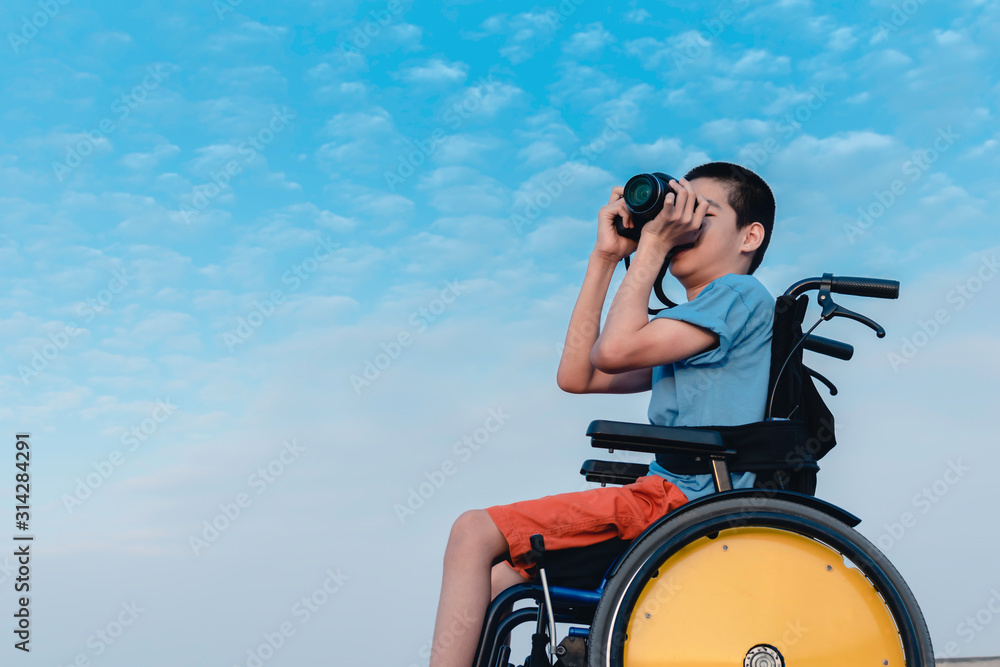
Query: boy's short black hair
x,y
749,196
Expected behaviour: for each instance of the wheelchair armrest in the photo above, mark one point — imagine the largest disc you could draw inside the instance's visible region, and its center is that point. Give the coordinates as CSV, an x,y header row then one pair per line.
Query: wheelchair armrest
x,y
613,472
614,435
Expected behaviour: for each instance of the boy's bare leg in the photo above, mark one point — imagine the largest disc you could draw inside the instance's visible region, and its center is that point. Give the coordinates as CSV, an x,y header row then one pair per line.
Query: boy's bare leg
x,y
504,576
466,588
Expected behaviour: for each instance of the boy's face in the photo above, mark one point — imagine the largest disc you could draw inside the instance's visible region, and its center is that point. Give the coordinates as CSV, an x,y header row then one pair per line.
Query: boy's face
x,y
720,248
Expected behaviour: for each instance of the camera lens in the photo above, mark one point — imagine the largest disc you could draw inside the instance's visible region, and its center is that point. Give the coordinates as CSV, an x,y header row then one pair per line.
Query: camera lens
x,y
638,192
643,197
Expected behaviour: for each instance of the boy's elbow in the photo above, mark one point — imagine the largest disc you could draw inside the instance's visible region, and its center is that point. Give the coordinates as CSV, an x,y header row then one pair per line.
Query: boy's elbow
x,y
571,388
569,385
604,359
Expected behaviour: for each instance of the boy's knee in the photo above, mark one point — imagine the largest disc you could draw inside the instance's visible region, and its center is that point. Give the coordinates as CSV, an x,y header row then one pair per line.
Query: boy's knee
x,y
475,527
470,524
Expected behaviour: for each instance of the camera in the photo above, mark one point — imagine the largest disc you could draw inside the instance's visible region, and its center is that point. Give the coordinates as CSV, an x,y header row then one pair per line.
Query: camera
x,y
644,195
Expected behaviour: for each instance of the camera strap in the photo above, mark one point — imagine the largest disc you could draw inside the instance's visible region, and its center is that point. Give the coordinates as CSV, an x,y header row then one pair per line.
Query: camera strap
x,y
658,283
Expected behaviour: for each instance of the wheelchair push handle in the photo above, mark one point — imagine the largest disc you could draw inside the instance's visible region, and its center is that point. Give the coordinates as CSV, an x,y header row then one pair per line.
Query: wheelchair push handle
x,y
878,288
829,284
872,287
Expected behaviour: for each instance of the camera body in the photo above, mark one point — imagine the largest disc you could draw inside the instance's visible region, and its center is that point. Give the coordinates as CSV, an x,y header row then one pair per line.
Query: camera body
x,y
643,196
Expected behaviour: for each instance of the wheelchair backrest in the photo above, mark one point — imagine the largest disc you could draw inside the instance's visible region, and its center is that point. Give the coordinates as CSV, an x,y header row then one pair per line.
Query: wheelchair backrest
x,y
795,394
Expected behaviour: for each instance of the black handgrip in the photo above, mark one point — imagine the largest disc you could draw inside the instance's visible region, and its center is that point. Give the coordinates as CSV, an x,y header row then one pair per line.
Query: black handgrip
x,y
873,287
537,553
829,347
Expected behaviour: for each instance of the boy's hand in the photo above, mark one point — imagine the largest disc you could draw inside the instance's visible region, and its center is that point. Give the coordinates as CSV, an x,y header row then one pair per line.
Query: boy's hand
x,y
609,242
679,221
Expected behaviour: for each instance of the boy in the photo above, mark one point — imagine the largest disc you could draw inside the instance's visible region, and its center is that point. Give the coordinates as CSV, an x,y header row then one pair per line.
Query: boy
x,y
706,361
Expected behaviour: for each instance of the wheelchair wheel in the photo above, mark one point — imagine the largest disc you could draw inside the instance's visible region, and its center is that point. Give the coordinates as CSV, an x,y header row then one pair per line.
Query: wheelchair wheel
x,y
757,582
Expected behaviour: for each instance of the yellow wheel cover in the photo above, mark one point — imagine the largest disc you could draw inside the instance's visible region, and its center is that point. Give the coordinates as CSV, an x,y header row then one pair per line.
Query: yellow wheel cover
x,y
715,599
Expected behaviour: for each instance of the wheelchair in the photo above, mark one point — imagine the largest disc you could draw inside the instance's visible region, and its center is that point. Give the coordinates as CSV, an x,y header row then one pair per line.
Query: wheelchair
x,y
764,577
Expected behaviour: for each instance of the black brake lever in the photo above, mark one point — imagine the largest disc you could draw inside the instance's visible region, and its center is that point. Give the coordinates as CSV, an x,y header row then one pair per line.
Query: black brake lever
x,y
831,309
821,378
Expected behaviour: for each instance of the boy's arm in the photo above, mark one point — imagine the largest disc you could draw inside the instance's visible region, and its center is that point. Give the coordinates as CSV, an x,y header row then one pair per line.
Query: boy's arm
x,y
577,374
630,340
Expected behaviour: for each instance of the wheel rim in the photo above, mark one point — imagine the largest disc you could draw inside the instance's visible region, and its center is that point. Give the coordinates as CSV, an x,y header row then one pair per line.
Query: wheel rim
x,y
715,601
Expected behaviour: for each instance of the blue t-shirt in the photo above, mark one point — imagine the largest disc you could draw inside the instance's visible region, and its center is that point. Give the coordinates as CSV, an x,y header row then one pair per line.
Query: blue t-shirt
x,y
723,386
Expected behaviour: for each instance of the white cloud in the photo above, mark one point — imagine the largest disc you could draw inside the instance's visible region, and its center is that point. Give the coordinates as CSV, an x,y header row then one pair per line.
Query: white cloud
x,y
468,148
842,39
435,72
484,99
733,130
357,137
246,33
588,42
539,153
353,123
637,15
250,79
956,44
988,147
583,85
112,38
665,154
160,152
526,32
760,61
655,54
459,190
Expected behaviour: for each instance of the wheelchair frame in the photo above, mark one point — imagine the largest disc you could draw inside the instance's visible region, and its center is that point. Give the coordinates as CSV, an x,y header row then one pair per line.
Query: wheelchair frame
x,y
759,513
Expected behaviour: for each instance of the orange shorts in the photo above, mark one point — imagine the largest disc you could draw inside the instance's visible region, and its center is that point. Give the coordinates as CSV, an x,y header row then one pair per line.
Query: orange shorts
x,y
582,518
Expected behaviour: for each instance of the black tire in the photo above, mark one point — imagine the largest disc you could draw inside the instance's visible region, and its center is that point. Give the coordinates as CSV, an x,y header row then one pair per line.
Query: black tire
x,y
648,553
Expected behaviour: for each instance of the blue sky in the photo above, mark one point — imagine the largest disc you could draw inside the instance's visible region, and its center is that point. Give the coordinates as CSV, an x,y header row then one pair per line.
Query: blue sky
x,y
215,214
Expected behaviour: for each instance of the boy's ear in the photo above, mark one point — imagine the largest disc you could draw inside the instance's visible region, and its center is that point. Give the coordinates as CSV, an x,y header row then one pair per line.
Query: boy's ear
x,y
753,236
